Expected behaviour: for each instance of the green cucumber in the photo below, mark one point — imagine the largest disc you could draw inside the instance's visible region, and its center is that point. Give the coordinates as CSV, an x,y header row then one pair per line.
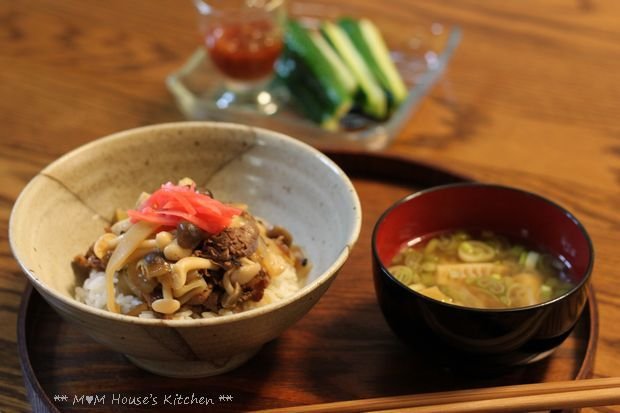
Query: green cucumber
x,y
340,69
307,101
373,102
306,91
303,47
369,42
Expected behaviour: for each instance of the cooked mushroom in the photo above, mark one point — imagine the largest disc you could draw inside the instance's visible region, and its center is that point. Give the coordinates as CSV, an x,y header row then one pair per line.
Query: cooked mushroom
x,y
105,243
175,252
281,233
189,235
137,282
153,265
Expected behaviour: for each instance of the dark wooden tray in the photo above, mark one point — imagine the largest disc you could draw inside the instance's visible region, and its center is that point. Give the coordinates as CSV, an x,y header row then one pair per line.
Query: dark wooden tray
x,y
341,350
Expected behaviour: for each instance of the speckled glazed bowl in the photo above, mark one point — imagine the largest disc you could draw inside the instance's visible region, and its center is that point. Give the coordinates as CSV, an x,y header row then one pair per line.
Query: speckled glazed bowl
x,y
65,207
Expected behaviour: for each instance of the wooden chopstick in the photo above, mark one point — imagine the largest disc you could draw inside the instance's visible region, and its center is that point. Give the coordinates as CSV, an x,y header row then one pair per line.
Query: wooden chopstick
x,y
554,395
535,402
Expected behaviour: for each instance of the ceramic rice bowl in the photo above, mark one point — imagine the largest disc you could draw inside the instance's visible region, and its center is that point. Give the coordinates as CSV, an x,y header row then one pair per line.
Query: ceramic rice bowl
x,y
66,206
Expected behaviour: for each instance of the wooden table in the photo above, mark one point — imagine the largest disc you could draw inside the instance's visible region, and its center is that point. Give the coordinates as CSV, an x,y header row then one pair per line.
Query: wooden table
x,y
531,99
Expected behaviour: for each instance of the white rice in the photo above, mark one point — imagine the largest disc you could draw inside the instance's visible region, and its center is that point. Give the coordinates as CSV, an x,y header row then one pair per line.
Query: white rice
x,y
280,287
93,293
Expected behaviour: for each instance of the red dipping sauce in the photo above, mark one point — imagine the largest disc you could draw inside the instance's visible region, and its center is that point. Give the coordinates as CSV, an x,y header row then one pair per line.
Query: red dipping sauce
x,y
245,50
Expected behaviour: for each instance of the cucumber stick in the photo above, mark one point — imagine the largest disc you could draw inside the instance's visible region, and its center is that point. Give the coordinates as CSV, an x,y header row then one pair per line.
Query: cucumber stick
x,y
311,54
306,91
337,64
369,42
374,102
307,101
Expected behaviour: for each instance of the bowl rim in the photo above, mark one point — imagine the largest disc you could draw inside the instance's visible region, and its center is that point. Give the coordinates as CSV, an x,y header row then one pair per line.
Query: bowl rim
x,y
266,135
382,267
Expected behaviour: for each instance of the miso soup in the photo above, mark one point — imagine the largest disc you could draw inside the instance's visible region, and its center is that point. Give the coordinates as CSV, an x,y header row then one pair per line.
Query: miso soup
x,y
481,270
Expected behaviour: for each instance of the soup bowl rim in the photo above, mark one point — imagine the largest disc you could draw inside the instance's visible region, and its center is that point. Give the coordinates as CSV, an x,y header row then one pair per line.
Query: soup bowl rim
x,y
414,294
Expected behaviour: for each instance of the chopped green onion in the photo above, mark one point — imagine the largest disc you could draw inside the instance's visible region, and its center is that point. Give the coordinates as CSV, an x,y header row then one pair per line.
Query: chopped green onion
x,y
402,273
431,246
445,243
545,292
475,251
466,247
531,260
413,258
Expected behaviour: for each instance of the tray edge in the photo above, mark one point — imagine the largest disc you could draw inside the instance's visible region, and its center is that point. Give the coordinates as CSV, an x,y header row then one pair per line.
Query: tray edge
x,y
40,400
37,397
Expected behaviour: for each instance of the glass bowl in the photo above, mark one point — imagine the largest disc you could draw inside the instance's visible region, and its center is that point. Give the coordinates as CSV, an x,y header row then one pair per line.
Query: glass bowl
x,y
421,51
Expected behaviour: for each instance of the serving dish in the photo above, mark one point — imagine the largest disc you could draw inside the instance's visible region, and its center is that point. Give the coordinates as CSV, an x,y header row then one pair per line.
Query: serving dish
x,y
421,50
282,180
341,350
486,337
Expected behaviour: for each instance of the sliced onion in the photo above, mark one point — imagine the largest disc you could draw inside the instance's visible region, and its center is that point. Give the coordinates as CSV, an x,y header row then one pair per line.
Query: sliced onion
x,y
130,241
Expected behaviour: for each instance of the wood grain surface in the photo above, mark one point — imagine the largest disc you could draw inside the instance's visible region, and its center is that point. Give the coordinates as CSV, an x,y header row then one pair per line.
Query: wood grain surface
x,y
531,99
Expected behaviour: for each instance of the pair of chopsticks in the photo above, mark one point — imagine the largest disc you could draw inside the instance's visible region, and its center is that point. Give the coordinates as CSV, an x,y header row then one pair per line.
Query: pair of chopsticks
x,y
526,397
